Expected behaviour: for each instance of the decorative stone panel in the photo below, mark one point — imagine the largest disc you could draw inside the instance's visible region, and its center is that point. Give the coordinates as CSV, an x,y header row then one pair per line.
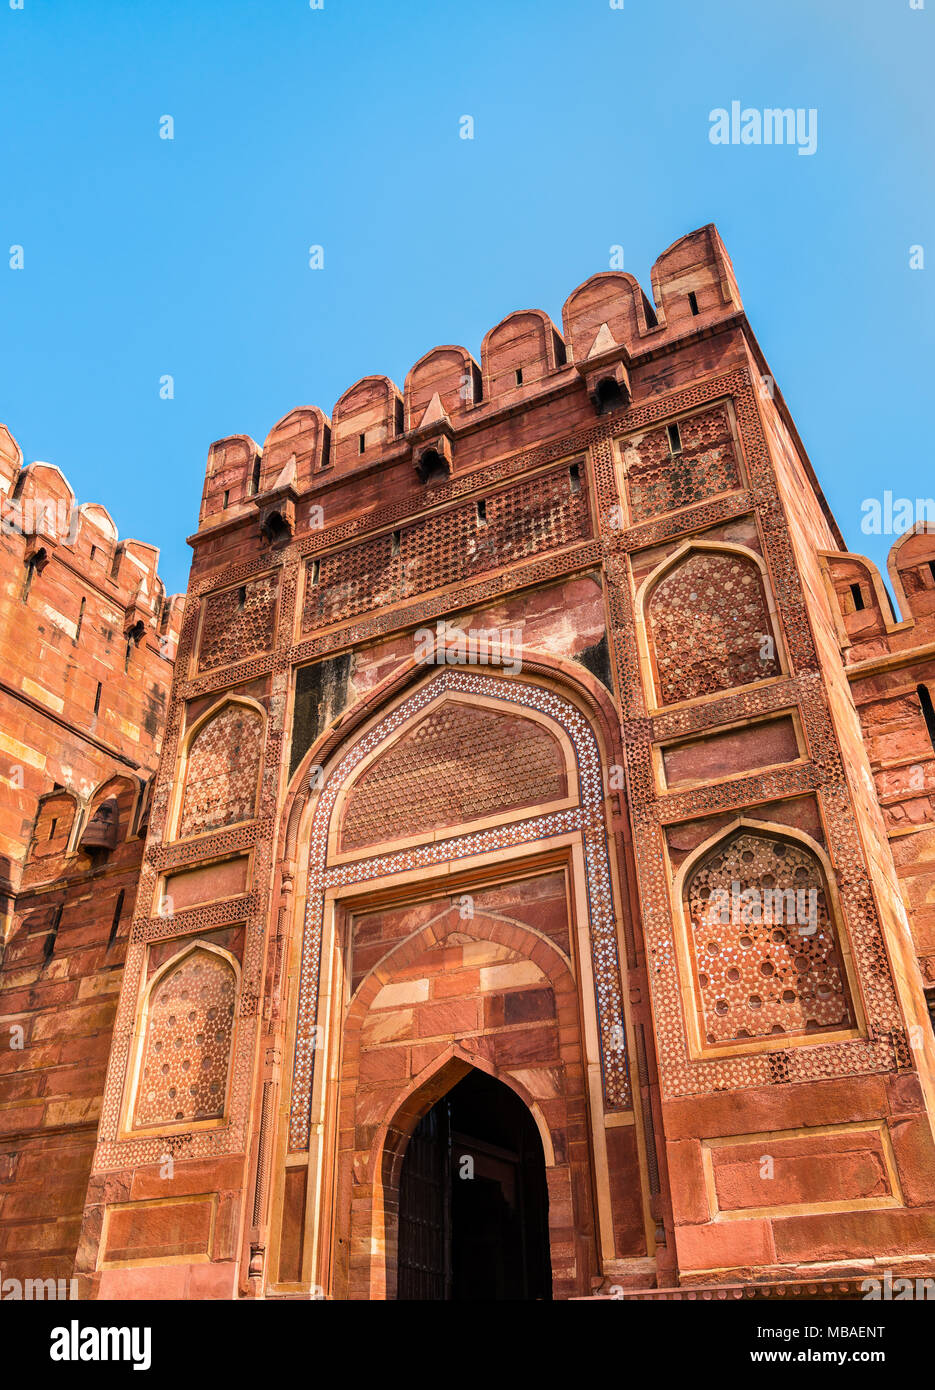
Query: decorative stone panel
x,y
659,481
187,1048
238,622
458,764
709,626
222,771
535,516
763,942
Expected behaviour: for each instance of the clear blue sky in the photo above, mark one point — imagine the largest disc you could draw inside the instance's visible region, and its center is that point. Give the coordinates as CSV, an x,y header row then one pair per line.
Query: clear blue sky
x,y
340,127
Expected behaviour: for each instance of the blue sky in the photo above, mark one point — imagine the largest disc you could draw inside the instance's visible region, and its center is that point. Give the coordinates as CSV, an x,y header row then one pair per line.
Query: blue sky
x,y
340,127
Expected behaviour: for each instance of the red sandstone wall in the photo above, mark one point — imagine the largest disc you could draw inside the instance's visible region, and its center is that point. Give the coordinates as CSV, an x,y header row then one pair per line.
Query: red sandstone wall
x,y
68,910
655,564
889,657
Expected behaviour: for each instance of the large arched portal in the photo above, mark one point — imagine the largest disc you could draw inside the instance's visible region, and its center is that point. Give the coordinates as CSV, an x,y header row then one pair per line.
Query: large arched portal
x,y
473,1199
461,914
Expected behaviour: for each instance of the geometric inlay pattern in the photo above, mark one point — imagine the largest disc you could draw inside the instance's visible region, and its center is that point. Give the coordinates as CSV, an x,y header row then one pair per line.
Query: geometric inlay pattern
x,y
763,942
188,1043
459,764
238,622
709,627
537,515
659,481
587,817
221,771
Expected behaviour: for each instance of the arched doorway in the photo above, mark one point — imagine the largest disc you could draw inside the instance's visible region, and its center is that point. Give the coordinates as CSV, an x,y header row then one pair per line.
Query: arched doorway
x,y
473,1200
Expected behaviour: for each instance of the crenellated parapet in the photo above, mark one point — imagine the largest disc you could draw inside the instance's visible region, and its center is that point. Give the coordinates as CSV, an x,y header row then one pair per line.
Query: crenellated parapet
x,y
40,516
420,437
520,732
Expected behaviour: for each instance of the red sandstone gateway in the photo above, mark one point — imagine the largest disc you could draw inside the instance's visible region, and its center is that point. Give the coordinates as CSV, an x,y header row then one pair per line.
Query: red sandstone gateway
x,y
404,946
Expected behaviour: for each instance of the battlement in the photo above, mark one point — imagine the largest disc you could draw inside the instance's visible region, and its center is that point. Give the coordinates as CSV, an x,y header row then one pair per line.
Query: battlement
x,y
609,328
868,625
37,506
531,729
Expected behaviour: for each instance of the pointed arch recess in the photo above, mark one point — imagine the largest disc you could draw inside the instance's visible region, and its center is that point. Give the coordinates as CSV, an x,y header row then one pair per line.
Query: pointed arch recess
x,y
813,966
234,801
392,1137
712,651
217,956
587,818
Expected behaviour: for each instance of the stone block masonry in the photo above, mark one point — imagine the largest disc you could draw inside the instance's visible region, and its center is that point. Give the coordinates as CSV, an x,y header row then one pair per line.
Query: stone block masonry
x,y
532,741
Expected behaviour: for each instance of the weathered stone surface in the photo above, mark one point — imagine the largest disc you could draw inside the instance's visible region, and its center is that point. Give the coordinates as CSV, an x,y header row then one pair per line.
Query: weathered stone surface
x,y
492,696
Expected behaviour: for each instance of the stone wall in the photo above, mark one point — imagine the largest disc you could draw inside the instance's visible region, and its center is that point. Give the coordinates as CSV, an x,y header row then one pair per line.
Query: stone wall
x,y
88,643
569,635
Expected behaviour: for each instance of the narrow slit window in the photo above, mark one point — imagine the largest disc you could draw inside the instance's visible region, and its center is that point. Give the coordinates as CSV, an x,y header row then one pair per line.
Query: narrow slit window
x,y
519,376
857,594
574,477
97,698
242,596
53,827
693,301
115,921
255,478
84,602
52,935
928,711
33,565
482,513
93,553
361,443
227,496
675,439
134,638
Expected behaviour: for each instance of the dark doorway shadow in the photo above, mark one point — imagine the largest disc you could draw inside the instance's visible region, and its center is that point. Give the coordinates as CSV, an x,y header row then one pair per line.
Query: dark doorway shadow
x,y
473,1200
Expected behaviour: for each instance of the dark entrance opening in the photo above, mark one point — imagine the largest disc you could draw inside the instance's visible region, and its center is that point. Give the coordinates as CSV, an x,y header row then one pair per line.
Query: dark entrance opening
x,y
473,1201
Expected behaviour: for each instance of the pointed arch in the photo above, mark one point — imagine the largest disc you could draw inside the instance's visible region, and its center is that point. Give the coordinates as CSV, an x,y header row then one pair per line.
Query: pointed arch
x,y
392,1138
764,950
221,763
707,622
323,889
588,816
185,1042
413,784
316,764
123,793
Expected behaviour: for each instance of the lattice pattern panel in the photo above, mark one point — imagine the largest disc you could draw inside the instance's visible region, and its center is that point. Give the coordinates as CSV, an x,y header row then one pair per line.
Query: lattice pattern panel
x,y
763,942
537,515
459,764
186,1055
709,626
588,818
659,481
222,771
238,622
351,582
